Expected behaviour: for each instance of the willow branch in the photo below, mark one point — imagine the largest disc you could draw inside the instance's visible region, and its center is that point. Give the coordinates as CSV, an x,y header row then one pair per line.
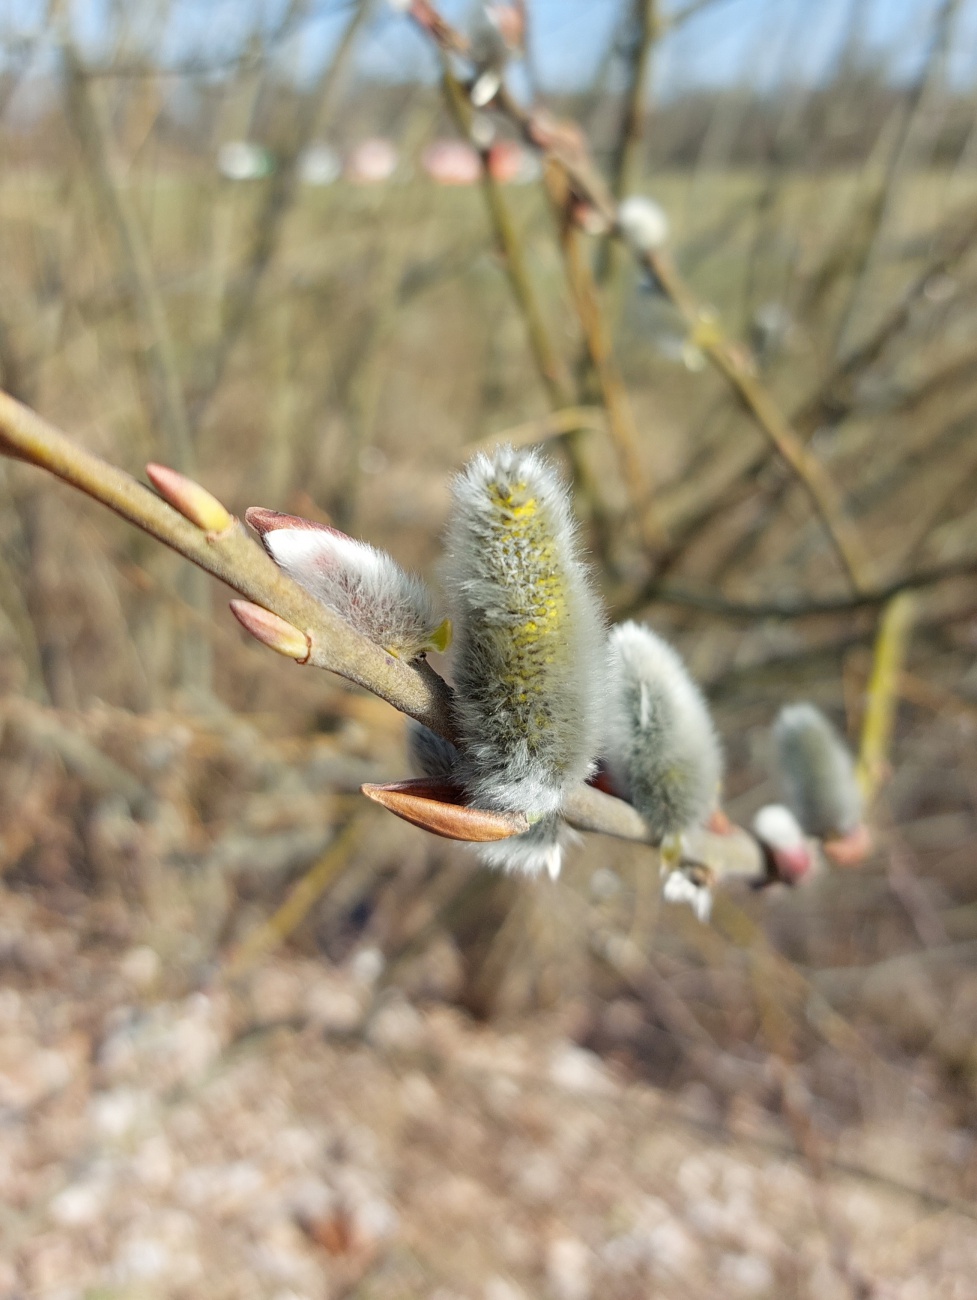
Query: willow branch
x,y
233,556
219,544
621,424
713,602
734,364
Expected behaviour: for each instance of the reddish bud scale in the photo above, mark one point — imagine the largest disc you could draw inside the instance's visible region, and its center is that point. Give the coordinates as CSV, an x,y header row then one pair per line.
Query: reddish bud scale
x,y
438,806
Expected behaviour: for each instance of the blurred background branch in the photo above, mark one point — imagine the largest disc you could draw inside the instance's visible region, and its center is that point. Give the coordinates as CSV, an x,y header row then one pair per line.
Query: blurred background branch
x,y
231,242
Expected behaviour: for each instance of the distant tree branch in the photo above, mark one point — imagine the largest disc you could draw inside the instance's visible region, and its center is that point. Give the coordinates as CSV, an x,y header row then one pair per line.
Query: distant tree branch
x,y
710,602
564,144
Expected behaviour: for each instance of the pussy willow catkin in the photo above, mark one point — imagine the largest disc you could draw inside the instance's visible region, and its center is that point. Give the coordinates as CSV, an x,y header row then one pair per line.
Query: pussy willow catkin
x,y
528,636
537,850
660,746
817,772
364,585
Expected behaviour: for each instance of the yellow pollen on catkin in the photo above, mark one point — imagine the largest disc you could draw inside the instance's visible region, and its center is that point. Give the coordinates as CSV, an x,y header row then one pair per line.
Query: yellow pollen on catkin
x,y
524,539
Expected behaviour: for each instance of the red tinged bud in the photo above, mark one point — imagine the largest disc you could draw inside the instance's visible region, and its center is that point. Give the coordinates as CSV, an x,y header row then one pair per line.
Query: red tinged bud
x,y
438,806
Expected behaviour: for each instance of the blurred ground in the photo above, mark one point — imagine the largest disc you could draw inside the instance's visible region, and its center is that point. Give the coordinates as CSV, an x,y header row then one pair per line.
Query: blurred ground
x,y
301,1136
332,1120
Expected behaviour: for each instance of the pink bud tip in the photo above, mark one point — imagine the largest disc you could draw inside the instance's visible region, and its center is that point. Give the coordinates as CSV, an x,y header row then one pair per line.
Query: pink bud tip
x,y
269,521
719,823
792,864
271,630
193,501
437,806
850,850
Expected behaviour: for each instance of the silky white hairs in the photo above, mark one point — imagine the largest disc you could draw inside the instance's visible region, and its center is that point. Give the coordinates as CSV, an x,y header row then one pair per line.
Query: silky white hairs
x,y
817,772
537,850
790,857
660,747
528,634
777,826
643,223
364,586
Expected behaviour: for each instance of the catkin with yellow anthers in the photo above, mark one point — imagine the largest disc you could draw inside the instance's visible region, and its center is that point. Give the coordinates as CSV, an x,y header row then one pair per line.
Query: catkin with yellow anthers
x,y
659,744
528,634
817,772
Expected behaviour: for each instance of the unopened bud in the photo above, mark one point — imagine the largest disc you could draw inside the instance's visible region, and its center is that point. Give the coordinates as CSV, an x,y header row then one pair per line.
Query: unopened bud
x,y
271,630
528,635
439,807
850,850
817,772
193,501
790,857
363,585
660,746
485,87
533,852
643,224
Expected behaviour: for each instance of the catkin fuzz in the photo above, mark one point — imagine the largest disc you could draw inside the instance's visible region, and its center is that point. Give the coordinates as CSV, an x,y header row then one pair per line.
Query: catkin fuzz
x,y
528,634
660,746
817,772
537,850
365,586
430,754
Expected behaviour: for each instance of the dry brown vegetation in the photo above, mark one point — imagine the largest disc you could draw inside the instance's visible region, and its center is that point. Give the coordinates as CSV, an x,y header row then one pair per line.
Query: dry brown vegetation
x,y
418,1079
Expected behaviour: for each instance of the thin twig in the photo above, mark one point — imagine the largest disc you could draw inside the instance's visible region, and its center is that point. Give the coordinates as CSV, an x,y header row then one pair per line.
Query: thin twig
x,y
160,350
564,145
549,364
234,557
891,645
301,898
571,419
713,602
159,347
621,423
279,197
647,26
734,364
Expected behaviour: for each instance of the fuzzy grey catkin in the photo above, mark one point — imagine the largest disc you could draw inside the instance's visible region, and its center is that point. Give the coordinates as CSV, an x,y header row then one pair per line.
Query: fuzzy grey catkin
x,y
660,746
430,754
537,850
817,772
365,586
528,635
